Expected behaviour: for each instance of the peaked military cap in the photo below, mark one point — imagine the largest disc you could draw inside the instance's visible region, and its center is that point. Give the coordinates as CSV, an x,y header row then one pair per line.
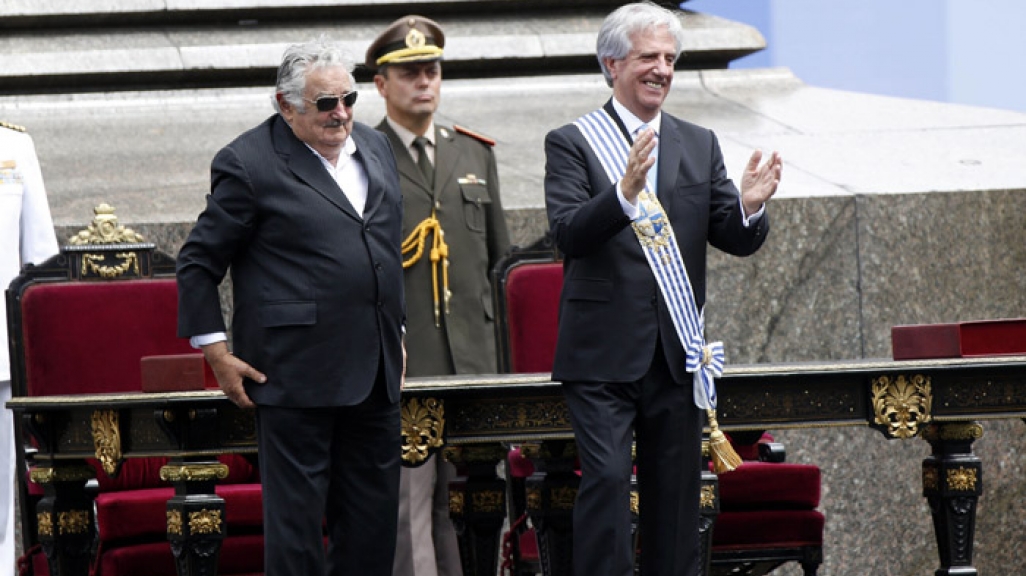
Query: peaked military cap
x,y
409,39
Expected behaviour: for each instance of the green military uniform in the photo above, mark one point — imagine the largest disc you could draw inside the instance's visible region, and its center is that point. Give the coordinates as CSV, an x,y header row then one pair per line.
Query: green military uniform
x,y
466,204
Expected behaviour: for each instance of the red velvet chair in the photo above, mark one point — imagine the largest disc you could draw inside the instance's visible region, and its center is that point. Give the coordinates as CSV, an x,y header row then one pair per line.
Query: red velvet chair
x,y
80,323
766,508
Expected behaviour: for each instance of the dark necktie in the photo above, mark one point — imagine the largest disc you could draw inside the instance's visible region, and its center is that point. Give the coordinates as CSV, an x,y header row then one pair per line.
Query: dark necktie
x,y
420,144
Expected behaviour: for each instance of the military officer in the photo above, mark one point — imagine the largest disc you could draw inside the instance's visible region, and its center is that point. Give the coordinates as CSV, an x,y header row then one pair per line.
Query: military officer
x,y
26,236
455,232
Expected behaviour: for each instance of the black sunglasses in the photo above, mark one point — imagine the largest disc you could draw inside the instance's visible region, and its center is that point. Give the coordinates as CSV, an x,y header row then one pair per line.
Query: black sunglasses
x,y
329,103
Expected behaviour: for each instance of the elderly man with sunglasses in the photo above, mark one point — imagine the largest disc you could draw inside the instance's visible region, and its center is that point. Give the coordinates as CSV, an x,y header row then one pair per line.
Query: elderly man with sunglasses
x,y
305,212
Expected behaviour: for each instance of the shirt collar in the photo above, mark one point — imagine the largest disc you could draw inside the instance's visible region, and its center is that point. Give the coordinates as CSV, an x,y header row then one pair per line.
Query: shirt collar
x,y
406,136
632,122
344,157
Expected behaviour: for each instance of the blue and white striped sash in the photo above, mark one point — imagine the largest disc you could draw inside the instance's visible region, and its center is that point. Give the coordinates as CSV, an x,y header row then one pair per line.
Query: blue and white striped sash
x,y
655,234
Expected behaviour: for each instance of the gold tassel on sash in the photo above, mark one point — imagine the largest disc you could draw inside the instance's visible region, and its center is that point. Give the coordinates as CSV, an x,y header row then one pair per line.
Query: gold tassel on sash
x,y
722,454
439,255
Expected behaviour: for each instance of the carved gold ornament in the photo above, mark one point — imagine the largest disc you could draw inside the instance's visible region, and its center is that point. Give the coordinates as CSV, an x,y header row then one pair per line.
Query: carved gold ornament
x,y
635,502
963,479
44,522
534,499
931,479
73,521
104,229
487,501
205,522
107,439
707,499
193,472
93,263
563,498
456,503
422,423
902,404
174,522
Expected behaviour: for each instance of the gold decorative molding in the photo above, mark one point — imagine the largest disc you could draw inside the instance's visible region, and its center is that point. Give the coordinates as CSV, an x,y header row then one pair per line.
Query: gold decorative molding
x,y
456,503
707,498
73,521
423,421
902,404
635,502
193,472
205,522
44,524
953,431
44,475
107,439
174,522
104,229
94,263
962,479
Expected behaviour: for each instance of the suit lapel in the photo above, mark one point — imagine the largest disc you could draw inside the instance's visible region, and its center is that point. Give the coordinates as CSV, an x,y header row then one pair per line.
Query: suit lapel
x,y
374,170
307,168
404,161
671,154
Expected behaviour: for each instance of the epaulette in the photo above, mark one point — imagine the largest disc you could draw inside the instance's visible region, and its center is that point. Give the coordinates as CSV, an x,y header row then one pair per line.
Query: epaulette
x,y
14,127
474,135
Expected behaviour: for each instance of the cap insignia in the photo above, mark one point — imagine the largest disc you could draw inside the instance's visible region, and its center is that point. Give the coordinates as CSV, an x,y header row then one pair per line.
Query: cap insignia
x,y
415,39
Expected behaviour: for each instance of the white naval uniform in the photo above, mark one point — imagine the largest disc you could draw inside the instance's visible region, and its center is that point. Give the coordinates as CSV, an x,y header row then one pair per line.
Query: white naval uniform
x,y
26,235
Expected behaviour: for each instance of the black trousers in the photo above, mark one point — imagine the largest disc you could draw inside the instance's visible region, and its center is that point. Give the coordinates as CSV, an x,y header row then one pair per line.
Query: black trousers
x,y
333,467
667,426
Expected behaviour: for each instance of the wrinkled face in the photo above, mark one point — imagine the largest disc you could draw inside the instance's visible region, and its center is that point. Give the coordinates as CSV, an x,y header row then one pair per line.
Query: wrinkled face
x,y
641,81
325,132
410,90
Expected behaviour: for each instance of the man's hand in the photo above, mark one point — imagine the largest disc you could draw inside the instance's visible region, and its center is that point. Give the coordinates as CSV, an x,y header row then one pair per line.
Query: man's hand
x,y
759,183
230,372
639,160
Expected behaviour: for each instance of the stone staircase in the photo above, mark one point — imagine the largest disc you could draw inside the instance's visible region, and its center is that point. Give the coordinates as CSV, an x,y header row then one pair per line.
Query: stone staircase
x,y
63,46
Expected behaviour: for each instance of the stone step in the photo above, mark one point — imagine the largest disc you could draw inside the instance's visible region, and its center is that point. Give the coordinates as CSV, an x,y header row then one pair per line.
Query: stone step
x,y
44,53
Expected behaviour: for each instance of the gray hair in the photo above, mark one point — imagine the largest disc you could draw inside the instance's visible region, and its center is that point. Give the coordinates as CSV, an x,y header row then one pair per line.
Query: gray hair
x,y
299,59
614,37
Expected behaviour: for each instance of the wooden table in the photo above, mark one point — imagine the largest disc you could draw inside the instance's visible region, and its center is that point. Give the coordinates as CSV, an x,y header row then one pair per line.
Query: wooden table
x,y
474,420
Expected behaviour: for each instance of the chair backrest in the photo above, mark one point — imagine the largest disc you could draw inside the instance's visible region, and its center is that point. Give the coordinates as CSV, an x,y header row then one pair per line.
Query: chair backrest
x,y
81,322
527,284
89,337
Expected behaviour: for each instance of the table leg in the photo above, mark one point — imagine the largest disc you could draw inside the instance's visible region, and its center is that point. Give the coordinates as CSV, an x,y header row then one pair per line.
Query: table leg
x,y
477,506
64,516
196,523
952,484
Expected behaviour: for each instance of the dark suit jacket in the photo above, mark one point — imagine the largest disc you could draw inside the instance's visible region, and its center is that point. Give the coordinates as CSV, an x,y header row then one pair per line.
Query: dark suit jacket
x,y
611,312
466,193
318,292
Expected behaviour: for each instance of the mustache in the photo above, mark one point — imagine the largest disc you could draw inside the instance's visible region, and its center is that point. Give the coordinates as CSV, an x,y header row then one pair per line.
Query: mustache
x,y
334,124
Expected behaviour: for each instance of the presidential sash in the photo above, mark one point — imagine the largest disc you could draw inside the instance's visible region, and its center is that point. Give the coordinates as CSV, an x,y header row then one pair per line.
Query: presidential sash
x,y
655,234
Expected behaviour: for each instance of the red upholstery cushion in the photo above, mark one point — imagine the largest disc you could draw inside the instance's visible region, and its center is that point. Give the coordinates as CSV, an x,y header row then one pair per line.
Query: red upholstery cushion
x,y
768,529
766,485
240,555
87,337
532,305
136,513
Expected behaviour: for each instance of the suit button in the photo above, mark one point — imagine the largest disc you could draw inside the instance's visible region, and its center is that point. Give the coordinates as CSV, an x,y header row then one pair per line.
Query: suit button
x,y
377,266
